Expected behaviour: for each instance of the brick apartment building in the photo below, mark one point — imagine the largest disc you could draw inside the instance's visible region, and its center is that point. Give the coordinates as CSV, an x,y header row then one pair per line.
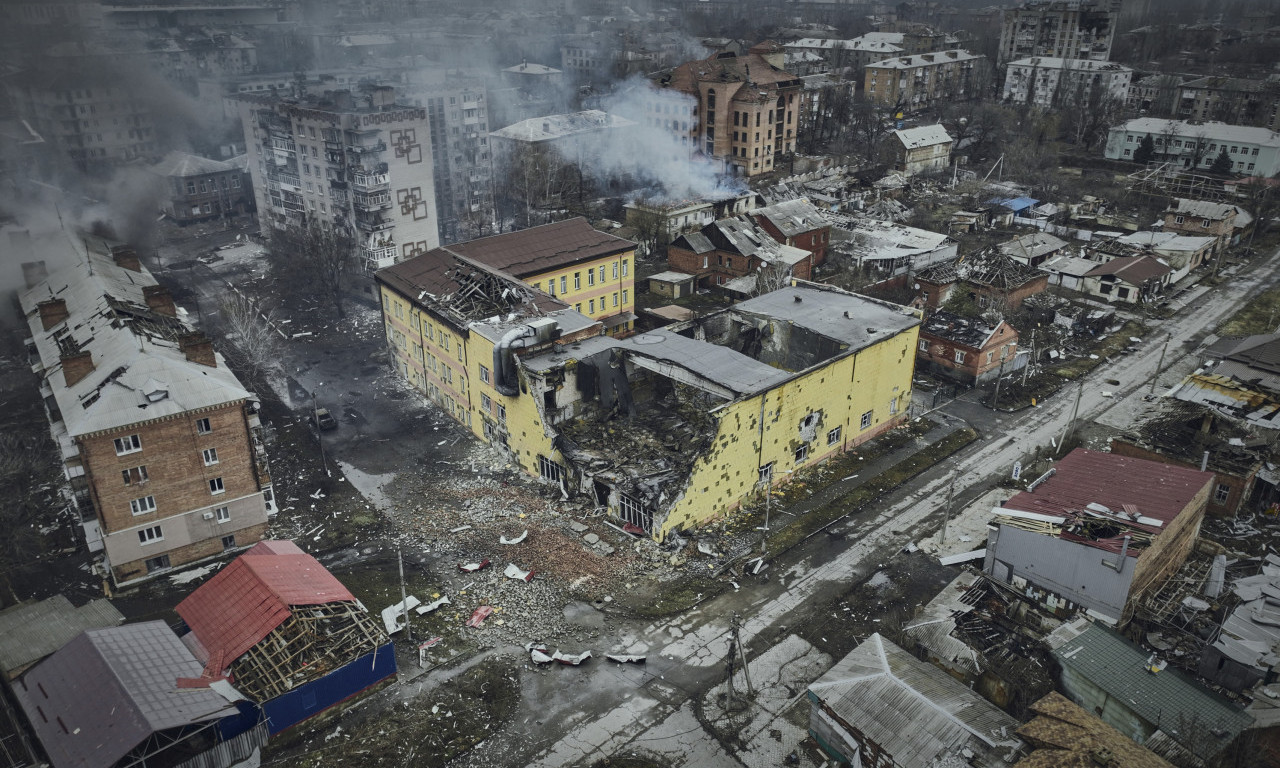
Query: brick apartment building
x,y
196,188
729,253
1200,218
798,224
914,82
740,110
968,350
159,439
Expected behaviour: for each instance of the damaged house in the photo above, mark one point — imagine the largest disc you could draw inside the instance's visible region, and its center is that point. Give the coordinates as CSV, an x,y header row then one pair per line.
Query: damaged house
x,y
290,635
1099,534
988,278
969,350
672,428
730,255
886,246
160,441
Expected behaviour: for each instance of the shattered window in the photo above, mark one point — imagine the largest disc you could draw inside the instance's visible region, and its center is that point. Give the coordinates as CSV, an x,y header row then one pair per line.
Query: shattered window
x,y
802,453
866,419
766,474
833,436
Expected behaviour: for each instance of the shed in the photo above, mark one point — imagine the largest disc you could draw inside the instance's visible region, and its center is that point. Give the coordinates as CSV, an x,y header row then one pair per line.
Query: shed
x,y
31,631
671,284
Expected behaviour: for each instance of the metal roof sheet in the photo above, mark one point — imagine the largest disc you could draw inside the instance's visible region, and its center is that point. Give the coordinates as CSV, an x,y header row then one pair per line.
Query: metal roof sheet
x,y
242,603
848,318
31,631
1181,708
923,136
913,710
109,689
538,249
1156,489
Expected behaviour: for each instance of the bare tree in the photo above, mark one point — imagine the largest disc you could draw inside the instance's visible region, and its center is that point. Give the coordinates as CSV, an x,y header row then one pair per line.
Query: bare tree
x,y
771,277
255,344
314,260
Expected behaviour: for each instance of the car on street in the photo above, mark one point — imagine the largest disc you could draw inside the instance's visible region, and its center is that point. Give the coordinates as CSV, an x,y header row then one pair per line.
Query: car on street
x,y
325,420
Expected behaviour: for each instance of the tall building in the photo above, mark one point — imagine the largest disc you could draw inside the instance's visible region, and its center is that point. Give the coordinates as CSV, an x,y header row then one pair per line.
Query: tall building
x,y
918,81
1065,29
740,110
355,161
160,441
1051,82
462,160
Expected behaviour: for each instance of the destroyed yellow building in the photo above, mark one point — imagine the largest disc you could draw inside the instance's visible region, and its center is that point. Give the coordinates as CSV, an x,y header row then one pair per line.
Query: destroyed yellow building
x,y
666,429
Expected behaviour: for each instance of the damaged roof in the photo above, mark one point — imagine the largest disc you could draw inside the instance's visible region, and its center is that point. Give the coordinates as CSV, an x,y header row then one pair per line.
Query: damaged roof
x,y
140,374
967,332
553,127
792,217
183,165
923,136
746,78
1134,270
1204,209
1155,489
858,321
1065,736
1032,246
539,249
1191,715
914,711
988,267
31,631
108,690
242,603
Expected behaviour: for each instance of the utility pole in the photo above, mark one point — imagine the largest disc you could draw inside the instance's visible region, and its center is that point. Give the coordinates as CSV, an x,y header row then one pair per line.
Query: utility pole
x,y
1074,412
742,653
1026,371
946,517
1159,365
404,601
995,399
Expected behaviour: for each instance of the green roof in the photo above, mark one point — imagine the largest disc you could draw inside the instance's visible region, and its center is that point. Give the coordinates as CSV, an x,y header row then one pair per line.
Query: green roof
x,y
1181,708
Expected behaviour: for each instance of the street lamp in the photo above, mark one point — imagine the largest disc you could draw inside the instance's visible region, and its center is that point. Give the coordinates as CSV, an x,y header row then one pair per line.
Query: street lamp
x,y
315,416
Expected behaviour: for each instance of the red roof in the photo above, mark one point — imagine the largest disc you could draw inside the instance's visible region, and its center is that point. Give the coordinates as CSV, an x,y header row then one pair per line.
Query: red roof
x,y
238,607
1154,489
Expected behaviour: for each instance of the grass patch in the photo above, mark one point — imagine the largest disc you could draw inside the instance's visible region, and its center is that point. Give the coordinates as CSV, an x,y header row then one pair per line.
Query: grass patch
x,y
1259,315
893,477
1108,347
680,596
432,731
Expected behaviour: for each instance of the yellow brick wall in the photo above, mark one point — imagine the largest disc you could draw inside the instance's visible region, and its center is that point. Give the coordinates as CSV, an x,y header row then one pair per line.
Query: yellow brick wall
x,y
593,296
844,390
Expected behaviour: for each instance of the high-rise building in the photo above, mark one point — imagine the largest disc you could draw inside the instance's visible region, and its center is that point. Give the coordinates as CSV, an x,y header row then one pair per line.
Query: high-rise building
x,y
462,160
355,161
1065,29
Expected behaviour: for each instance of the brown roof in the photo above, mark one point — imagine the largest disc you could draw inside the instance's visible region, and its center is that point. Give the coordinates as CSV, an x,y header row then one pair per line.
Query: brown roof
x,y
733,71
1066,736
1134,270
436,279
538,249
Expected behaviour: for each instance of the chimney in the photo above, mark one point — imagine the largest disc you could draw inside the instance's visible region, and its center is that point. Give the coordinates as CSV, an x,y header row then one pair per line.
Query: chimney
x,y
75,366
159,300
126,258
52,312
198,349
34,272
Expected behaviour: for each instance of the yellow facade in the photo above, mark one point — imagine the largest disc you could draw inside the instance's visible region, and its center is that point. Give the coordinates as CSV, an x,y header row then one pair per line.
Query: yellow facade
x,y
598,289
432,355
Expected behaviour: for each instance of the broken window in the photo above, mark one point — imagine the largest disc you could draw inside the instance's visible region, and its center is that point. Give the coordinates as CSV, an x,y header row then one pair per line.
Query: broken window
x,y
143,505
486,403
484,374
210,456
959,356
924,346
550,470
1221,493
203,427
766,474
135,475
130,444
632,511
866,419
802,453
833,436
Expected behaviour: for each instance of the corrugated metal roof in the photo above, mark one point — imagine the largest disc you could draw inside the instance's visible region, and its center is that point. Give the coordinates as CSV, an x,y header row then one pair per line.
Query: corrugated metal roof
x,y
1083,477
913,710
31,631
923,136
238,607
109,689
1187,712
538,249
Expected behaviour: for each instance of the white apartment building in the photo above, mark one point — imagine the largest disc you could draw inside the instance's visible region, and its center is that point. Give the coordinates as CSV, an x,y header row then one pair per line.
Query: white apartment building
x,y
1054,82
1253,151
362,162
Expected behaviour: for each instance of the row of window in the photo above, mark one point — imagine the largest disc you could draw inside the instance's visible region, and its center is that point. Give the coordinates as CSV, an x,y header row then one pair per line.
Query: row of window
x,y
153,533
138,475
1234,149
591,278
145,505
205,185
133,443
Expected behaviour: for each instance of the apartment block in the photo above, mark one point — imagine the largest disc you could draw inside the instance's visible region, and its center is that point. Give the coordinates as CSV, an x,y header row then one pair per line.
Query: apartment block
x,y
1068,29
1047,81
917,81
1232,100
358,161
160,441
739,110
461,158
1253,151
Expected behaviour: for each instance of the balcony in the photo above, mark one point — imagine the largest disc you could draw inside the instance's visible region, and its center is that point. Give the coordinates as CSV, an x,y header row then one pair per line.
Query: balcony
x,y
371,201
372,223
283,144
370,182
289,181
339,197
378,258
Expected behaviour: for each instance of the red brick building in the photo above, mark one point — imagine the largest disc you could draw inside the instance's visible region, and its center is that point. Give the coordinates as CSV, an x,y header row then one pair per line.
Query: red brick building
x,y
731,252
968,350
796,223
988,278
1200,218
159,439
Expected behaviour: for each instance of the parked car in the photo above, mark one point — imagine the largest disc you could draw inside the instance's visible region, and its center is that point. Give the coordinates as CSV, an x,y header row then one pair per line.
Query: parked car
x,y
325,419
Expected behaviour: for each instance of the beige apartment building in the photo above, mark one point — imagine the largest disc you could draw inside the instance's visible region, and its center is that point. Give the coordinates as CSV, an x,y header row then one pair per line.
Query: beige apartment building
x,y
913,82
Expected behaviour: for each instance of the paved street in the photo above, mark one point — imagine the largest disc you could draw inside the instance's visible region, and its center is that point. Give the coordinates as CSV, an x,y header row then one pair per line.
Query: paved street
x,y
692,646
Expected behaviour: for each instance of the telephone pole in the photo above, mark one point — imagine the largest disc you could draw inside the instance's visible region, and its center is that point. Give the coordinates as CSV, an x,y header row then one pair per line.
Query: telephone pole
x,y
946,517
1159,365
1074,412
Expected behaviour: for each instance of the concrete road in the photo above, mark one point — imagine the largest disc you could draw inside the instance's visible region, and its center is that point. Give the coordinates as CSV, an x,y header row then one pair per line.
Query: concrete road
x,y
690,648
